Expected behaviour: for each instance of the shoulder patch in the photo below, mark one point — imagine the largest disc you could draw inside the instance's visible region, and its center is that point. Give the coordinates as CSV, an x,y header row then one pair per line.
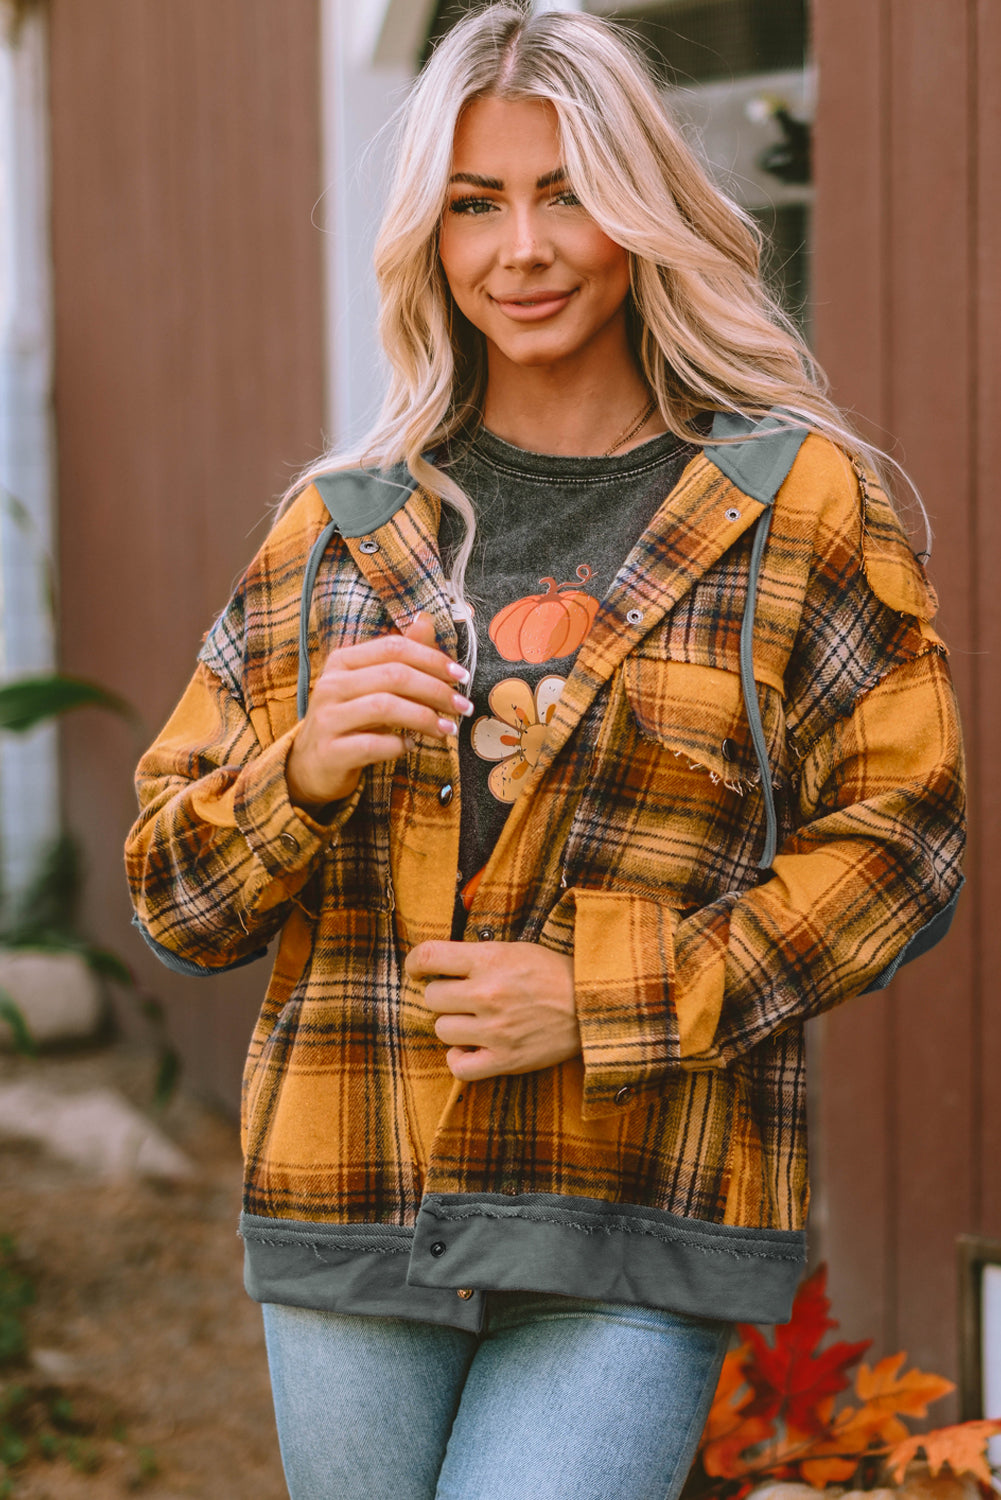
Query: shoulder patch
x,y
895,575
757,455
361,500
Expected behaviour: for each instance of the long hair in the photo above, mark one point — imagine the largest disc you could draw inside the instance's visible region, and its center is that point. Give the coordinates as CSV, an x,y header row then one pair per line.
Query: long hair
x,y
707,335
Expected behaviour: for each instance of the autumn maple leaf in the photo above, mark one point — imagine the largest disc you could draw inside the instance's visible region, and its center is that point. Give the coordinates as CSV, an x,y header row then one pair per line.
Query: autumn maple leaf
x,y
887,1395
729,1433
791,1379
961,1447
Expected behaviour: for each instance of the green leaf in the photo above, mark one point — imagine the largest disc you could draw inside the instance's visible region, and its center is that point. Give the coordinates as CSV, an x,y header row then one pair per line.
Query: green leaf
x,y
108,965
167,1076
62,1413
34,700
10,1012
45,913
147,1462
13,1449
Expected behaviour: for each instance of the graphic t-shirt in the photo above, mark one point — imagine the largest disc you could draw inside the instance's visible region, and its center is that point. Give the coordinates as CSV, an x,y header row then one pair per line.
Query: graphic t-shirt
x,y
552,533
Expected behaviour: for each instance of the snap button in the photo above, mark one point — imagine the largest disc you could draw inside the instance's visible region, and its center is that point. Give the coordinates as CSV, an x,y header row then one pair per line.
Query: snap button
x,y
465,1292
485,934
634,616
621,1097
290,841
437,1248
729,750
445,794
368,546
732,513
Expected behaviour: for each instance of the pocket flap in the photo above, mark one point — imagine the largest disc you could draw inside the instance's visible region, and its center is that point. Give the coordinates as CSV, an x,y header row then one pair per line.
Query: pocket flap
x,y
698,713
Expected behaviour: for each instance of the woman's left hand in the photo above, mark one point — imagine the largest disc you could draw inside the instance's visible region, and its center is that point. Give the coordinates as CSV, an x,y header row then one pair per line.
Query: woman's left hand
x,y
502,1007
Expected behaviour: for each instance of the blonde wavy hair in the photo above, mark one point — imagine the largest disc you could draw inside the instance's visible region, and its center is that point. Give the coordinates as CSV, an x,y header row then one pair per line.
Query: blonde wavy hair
x,y
707,335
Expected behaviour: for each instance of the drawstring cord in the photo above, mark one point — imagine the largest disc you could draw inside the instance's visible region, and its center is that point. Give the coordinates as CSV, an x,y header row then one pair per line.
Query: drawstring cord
x,y
750,691
308,582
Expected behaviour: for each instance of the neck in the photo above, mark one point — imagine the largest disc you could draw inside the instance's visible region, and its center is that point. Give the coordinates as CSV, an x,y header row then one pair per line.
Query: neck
x,y
555,409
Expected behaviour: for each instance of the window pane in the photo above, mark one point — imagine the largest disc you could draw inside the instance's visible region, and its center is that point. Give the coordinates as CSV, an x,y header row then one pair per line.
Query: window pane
x,y
699,40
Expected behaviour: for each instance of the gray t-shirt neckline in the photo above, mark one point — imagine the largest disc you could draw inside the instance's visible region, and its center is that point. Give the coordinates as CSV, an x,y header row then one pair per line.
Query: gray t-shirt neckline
x,y
552,532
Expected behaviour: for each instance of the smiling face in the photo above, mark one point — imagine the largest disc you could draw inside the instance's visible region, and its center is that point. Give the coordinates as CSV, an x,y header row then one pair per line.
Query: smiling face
x,y
525,262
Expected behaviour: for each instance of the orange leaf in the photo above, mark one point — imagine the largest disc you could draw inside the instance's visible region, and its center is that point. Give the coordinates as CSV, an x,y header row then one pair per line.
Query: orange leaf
x,y
908,1395
870,1424
832,1456
728,1399
961,1447
886,1395
824,1471
728,1432
723,1458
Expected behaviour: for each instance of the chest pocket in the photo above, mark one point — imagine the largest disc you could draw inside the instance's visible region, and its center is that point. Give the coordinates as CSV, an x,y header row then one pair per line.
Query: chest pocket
x,y
698,713
281,710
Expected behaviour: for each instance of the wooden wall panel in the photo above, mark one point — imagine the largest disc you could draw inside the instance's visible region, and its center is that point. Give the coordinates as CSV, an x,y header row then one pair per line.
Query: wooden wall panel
x,y
909,1076
986,333
853,1117
930,370
189,374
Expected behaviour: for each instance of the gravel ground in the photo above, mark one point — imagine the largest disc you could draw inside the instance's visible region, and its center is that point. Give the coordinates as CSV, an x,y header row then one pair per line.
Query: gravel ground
x,y
140,1321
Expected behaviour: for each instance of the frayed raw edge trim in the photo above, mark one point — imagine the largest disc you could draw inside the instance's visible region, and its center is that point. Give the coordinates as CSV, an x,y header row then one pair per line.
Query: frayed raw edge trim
x,y
741,787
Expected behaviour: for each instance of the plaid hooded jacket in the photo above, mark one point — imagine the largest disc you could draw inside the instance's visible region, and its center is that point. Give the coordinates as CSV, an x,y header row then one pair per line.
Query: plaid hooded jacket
x,y
667,1164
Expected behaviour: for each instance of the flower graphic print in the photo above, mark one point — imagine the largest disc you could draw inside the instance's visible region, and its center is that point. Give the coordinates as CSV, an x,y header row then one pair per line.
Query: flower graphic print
x,y
512,733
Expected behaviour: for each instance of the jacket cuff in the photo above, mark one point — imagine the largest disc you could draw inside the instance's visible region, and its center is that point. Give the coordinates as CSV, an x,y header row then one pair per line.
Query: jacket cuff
x,y
285,839
623,950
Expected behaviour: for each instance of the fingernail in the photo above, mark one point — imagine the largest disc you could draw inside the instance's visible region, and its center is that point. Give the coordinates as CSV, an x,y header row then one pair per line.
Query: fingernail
x,y
448,726
458,672
462,704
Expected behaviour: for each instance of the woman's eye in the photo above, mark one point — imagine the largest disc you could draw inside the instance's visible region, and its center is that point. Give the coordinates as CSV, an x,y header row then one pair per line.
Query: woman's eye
x,y
567,199
470,206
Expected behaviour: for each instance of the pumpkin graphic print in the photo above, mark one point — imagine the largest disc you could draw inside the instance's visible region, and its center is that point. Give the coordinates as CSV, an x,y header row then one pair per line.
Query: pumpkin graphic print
x,y
543,626
533,629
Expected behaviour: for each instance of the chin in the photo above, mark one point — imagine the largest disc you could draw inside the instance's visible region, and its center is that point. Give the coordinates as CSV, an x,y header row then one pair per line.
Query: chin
x,y
534,353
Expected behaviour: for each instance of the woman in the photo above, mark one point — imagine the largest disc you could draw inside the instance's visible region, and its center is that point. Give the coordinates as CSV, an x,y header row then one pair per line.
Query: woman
x,y
524,1109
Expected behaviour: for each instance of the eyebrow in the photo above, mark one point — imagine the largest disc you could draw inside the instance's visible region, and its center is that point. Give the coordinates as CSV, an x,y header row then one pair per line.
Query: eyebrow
x,y
494,184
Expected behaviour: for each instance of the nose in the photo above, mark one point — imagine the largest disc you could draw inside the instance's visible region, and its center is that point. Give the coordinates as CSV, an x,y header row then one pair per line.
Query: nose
x,y
526,244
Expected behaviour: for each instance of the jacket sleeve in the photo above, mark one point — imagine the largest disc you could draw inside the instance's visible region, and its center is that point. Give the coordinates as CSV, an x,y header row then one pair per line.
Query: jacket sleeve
x,y
867,877
218,854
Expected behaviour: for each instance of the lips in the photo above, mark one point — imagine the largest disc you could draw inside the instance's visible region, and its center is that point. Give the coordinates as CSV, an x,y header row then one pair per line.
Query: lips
x,y
528,307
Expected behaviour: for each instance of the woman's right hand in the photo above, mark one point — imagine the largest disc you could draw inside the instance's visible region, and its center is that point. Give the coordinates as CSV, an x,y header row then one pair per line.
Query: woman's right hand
x,y
367,700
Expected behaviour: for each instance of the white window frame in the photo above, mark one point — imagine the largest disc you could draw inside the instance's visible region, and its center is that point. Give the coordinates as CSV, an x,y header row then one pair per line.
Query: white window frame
x,y
29,768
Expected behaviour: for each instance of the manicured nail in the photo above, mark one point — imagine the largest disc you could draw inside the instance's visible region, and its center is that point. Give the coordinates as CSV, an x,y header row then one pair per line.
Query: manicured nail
x,y
448,726
458,672
462,705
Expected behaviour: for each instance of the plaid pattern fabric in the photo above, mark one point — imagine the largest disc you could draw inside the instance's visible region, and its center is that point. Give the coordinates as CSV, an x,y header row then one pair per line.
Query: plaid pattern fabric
x,y
634,847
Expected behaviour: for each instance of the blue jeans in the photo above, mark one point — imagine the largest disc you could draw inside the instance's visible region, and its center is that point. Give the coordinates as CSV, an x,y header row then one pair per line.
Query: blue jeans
x,y
559,1398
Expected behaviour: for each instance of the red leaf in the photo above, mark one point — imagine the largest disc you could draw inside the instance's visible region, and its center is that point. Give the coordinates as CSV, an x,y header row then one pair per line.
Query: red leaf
x,y
791,1379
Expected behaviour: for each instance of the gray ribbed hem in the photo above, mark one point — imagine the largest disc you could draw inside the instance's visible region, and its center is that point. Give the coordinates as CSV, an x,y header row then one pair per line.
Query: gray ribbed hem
x,y
575,1247
347,1268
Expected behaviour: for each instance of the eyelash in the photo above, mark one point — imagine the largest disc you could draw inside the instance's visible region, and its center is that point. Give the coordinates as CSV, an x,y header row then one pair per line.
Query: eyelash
x,y
471,205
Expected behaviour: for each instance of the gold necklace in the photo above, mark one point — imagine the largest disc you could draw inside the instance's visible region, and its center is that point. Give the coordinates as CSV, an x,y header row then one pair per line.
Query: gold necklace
x,y
633,429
